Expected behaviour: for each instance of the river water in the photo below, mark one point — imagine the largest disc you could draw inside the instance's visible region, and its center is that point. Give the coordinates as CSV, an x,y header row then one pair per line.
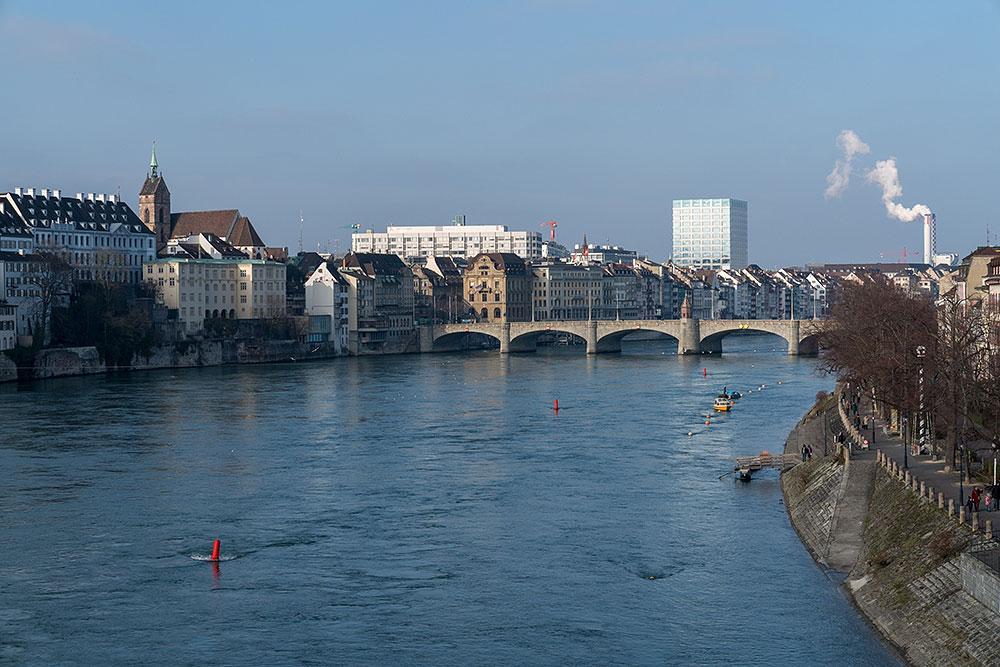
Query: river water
x,y
422,509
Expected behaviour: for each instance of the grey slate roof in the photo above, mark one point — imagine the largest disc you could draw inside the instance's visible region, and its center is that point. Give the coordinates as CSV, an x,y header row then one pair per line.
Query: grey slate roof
x,y
84,214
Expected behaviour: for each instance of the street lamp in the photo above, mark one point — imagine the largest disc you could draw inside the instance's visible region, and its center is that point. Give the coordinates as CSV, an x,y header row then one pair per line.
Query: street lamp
x,y
921,351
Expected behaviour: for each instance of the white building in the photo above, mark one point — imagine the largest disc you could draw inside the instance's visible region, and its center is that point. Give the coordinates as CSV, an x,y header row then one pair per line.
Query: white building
x,y
19,276
97,234
200,289
413,244
710,233
327,297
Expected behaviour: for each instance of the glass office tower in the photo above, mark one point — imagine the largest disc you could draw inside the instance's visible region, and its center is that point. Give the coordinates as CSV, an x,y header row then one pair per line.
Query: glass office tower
x,y
710,233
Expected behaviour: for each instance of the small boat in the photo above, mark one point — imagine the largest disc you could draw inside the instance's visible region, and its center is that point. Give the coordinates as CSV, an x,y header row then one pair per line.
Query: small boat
x,y
723,404
733,394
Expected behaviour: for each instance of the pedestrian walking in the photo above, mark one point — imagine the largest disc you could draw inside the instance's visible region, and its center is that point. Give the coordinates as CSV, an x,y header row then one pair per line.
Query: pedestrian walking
x,y
809,452
804,453
975,498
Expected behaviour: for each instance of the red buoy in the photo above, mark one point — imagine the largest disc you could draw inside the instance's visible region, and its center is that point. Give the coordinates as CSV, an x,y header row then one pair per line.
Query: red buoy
x,y
557,405
215,550
704,372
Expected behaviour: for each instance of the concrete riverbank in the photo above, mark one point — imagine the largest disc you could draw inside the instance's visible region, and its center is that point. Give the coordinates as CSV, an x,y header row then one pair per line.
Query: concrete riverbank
x,y
904,557
66,362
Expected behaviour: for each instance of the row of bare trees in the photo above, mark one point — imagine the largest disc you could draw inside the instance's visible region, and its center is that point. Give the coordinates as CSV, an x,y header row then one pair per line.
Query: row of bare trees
x,y
879,337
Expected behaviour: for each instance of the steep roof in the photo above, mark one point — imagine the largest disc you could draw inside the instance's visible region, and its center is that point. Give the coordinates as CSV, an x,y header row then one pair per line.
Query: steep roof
x,y
11,223
374,264
85,214
219,223
154,185
243,234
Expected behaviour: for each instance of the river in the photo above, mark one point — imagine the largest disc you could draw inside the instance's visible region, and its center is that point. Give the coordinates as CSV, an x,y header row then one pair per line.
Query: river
x,y
419,509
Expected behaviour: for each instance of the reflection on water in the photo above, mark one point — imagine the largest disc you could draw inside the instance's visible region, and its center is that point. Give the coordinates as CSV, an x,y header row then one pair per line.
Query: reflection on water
x,y
426,509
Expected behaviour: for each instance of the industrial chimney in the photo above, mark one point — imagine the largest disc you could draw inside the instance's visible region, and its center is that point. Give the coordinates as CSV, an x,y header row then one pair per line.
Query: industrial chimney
x,y
930,240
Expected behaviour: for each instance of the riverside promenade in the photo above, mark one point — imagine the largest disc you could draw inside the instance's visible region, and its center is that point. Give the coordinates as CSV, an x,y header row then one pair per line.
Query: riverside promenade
x,y
927,477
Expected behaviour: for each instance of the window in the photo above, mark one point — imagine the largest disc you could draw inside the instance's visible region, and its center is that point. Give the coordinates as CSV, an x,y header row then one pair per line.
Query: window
x,y
243,298
496,313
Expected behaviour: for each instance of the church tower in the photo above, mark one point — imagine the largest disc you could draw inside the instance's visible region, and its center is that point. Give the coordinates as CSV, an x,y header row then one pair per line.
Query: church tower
x,y
154,203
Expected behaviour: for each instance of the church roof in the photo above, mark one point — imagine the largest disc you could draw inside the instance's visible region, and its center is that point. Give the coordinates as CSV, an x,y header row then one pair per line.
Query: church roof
x,y
154,185
203,222
243,234
226,224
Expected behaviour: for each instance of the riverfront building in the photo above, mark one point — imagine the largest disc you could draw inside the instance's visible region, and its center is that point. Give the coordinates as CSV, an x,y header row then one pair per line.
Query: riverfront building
x,y
710,233
414,244
8,326
498,287
380,303
98,235
20,276
327,302
200,289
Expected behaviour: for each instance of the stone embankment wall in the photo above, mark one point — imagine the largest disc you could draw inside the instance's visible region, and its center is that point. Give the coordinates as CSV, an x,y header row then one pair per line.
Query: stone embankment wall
x,y
907,580
903,556
64,362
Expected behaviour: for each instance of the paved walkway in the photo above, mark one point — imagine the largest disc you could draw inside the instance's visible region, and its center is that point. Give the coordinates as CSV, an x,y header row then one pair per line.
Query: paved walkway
x,y
926,470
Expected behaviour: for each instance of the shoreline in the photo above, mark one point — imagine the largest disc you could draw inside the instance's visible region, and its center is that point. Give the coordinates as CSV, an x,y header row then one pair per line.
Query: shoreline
x,y
893,554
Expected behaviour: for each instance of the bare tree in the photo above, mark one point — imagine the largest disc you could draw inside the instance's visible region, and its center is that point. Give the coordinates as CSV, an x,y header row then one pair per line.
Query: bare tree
x,y
52,279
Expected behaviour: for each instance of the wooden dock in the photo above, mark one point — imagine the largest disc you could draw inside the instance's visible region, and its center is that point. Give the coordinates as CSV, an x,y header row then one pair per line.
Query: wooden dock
x,y
748,465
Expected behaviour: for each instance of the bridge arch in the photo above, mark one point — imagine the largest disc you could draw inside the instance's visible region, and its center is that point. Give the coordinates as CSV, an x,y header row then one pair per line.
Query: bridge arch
x,y
809,344
712,343
470,339
527,340
612,342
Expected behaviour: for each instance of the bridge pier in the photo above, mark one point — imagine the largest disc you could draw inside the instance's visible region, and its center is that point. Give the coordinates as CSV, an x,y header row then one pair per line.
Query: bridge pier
x,y
690,338
505,338
793,338
591,337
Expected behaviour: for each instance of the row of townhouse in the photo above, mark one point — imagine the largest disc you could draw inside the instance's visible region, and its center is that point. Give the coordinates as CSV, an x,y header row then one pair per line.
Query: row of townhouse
x,y
374,302
755,294
364,303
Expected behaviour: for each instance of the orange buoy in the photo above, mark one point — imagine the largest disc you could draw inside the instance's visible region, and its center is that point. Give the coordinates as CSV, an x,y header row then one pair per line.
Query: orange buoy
x,y
215,551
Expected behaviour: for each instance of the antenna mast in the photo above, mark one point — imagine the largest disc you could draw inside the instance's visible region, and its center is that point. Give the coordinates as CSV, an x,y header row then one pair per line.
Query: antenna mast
x,y
300,231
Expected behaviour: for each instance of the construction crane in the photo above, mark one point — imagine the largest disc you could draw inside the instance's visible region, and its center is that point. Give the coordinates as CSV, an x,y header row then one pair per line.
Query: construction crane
x,y
552,229
904,253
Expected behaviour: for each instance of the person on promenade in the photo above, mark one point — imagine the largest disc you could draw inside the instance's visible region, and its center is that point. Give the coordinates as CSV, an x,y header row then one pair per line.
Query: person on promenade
x,y
975,499
804,452
809,452
996,497
987,499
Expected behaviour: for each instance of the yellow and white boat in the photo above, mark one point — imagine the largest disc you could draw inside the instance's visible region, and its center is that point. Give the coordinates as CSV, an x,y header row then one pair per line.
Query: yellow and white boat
x,y
723,404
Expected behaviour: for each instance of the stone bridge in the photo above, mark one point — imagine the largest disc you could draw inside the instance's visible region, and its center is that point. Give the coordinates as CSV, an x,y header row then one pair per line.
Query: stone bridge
x,y
693,336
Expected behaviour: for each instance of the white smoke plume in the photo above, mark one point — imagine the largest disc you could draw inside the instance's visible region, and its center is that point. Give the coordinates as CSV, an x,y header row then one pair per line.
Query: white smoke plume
x,y
887,176
838,179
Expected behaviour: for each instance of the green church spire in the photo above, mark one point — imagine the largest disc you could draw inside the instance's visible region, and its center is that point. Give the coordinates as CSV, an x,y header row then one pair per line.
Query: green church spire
x,y
152,163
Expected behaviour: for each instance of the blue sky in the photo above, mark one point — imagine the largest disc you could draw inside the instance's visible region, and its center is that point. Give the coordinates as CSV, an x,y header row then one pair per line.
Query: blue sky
x,y
596,114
